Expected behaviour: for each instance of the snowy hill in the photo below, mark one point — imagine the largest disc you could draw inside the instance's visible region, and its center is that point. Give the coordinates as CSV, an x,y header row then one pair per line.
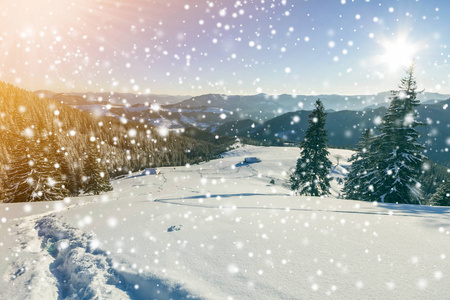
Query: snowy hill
x,y
219,230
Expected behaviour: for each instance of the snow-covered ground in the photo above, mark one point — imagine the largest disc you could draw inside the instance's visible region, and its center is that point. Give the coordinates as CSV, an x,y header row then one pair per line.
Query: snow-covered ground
x,y
220,230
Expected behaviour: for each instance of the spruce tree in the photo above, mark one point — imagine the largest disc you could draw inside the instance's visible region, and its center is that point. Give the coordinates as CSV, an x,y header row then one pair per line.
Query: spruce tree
x,y
97,178
21,173
72,176
56,160
42,190
106,183
311,175
397,159
355,186
49,184
21,182
2,188
442,195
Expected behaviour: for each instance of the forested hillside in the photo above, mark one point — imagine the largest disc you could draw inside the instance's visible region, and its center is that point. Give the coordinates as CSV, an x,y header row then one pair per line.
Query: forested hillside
x,y
345,127
42,131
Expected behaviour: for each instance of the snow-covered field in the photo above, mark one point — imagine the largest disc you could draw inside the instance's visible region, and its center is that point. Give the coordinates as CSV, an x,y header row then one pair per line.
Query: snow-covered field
x,y
220,230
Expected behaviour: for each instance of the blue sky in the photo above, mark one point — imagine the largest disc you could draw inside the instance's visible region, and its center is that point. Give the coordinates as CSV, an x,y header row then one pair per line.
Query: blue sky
x,y
233,47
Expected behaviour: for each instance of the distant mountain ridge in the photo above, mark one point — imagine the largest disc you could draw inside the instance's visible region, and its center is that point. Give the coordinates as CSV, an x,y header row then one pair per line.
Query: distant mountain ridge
x,y
284,102
213,110
287,102
75,98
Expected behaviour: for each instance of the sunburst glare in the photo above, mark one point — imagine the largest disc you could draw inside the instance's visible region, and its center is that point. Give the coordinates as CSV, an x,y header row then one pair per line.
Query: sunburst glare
x,y
398,53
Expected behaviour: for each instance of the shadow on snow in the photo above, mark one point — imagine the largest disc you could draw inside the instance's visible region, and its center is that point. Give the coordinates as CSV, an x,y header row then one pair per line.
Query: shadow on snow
x,y
389,209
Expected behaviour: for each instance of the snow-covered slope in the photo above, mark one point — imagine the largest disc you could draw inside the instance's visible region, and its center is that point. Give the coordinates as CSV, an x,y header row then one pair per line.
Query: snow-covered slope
x,y
220,230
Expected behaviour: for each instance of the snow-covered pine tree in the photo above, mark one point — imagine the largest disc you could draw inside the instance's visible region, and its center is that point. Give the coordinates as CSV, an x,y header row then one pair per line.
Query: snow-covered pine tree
x,y
42,190
106,183
311,175
21,172
72,176
442,195
3,179
355,187
97,178
398,157
56,160
49,185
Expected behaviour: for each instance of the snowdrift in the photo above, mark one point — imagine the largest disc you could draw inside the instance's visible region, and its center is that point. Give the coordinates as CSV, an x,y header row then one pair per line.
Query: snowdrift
x,y
220,230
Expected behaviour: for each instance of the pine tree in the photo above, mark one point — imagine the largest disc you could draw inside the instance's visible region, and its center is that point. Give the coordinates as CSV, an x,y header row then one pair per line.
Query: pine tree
x,y
97,178
106,183
56,160
49,184
398,156
442,195
43,188
20,175
355,186
72,176
431,178
21,172
2,187
311,175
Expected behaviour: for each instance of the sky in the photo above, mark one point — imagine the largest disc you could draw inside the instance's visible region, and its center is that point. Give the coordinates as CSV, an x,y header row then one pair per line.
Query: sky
x,y
196,47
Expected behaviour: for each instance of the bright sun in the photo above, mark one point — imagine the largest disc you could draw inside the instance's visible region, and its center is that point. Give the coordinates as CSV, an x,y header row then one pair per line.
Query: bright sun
x,y
397,54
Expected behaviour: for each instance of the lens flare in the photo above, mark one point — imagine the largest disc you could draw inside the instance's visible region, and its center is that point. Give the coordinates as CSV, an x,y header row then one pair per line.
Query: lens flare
x,y
398,53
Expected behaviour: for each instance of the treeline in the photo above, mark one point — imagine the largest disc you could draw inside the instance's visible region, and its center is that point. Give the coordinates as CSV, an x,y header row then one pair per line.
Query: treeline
x,y
432,179
387,167
49,150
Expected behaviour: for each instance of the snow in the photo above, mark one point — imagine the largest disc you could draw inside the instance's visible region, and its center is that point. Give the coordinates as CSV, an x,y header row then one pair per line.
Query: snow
x,y
220,230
